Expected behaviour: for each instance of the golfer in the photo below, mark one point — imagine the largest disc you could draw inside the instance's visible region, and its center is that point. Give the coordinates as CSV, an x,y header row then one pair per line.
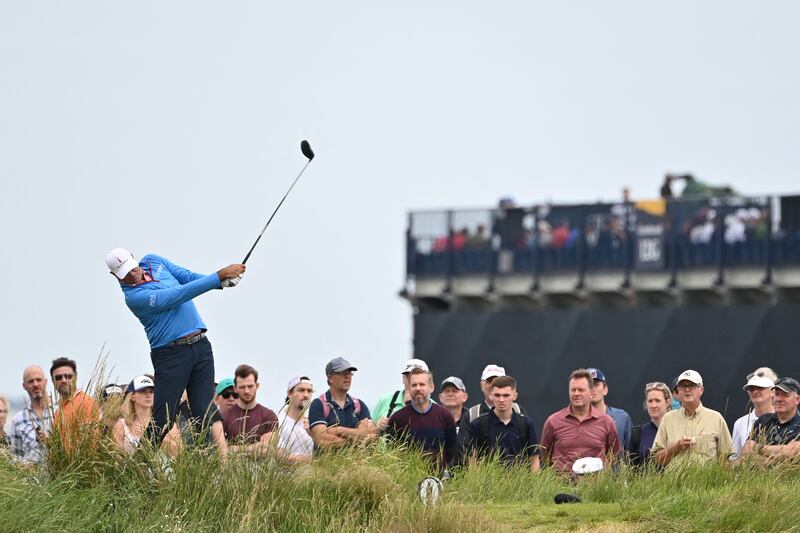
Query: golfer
x,y
160,294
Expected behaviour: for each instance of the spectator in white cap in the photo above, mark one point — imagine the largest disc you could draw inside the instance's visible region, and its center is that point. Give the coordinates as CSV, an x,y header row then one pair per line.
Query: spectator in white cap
x,y
294,437
487,377
693,433
759,389
136,414
392,402
776,436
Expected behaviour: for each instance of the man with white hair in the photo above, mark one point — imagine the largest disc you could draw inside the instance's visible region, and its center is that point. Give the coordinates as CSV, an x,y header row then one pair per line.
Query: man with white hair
x,y
490,372
693,433
759,389
392,402
160,294
31,426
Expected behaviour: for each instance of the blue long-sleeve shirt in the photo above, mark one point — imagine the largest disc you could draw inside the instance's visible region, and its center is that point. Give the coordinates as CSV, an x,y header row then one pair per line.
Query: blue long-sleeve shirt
x,y
164,306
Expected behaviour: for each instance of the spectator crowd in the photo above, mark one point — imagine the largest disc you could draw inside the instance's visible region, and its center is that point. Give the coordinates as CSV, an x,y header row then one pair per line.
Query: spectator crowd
x,y
451,433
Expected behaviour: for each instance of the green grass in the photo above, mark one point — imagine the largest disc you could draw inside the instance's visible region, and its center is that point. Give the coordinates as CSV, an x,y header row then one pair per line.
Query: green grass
x,y
374,489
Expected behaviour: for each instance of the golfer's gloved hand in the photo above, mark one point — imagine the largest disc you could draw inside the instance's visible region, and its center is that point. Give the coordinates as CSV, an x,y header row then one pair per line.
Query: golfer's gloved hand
x,y
231,282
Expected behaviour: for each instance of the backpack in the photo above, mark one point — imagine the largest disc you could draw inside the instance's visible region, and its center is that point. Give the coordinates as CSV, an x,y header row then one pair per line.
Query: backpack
x,y
391,403
326,406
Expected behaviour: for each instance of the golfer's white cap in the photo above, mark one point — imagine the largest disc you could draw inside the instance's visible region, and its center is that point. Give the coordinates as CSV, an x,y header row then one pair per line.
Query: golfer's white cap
x,y
691,375
411,364
492,371
120,261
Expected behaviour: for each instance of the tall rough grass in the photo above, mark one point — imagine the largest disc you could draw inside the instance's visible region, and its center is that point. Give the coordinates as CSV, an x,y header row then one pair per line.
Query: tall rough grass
x,y
372,488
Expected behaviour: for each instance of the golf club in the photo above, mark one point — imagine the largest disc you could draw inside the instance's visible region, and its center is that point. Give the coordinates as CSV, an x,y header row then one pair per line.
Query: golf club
x,y
309,153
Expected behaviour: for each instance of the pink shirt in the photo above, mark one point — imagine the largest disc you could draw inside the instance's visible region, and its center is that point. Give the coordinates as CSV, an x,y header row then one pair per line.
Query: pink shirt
x,y
564,439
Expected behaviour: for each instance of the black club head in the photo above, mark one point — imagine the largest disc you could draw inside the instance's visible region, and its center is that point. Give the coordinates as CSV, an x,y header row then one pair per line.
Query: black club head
x,y
306,149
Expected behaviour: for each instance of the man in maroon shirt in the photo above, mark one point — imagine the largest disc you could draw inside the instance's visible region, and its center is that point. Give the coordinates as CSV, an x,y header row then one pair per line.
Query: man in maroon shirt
x,y
578,430
248,425
424,424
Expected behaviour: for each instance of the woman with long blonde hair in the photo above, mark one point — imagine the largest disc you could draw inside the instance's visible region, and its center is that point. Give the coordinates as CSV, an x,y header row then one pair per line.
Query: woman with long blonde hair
x,y
136,414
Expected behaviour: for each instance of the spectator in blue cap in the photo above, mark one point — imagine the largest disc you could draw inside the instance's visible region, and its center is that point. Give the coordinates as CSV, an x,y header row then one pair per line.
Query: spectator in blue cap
x,y
337,419
621,418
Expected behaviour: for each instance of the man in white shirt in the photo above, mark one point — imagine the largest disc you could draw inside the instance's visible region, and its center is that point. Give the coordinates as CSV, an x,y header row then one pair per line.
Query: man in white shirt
x,y
759,389
294,439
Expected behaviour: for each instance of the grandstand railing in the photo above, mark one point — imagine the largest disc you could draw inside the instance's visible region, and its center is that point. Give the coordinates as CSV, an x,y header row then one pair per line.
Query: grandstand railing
x,y
719,233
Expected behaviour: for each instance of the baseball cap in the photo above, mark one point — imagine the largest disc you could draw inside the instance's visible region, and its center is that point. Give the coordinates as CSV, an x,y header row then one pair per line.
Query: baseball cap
x,y
140,383
691,375
338,364
111,389
597,374
758,379
454,381
787,385
411,364
295,381
224,384
120,261
492,371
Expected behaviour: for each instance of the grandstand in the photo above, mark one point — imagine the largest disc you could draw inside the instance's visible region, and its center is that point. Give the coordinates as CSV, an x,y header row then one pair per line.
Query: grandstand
x,y
640,289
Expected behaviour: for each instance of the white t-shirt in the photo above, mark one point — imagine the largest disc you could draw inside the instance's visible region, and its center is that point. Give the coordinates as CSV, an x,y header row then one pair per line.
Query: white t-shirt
x,y
741,431
293,437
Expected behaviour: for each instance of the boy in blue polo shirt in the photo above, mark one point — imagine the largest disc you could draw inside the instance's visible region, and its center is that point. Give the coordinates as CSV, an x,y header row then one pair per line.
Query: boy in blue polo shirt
x,y
337,419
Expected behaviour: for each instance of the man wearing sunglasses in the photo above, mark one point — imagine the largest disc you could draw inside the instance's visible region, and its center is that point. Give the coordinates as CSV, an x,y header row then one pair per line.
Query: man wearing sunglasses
x,y
226,396
76,410
160,294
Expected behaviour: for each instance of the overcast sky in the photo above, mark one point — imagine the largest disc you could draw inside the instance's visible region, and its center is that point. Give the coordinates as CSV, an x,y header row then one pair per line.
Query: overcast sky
x,y
174,128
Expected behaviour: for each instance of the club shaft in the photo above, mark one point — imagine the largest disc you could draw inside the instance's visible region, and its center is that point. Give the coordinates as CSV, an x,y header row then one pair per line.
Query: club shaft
x,y
275,212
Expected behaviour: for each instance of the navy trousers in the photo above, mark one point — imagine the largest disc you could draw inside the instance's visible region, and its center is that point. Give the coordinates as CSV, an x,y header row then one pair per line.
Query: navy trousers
x,y
187,366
